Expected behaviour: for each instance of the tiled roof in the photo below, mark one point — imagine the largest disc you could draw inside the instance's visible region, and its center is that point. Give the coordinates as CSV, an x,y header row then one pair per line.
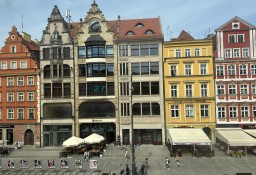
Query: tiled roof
x,y
184,36
31,45
138,27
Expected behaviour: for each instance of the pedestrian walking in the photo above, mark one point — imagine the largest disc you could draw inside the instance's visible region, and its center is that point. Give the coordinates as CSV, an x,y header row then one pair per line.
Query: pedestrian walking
x,y
127,170
177,159
126,155
146,163
86,156
167,163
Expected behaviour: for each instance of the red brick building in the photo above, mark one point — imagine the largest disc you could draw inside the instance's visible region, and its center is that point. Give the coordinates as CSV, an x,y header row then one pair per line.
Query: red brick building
x,y
19,73
235,71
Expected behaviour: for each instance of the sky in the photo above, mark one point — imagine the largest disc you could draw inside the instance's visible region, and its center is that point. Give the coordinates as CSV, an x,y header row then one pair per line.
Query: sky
x,y
198,17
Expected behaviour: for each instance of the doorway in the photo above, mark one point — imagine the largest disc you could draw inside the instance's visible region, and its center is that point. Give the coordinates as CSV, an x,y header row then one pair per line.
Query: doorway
x,y
29,137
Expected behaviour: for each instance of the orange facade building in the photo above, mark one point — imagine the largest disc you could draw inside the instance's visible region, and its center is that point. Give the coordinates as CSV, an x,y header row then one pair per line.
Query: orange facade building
x,y
19,74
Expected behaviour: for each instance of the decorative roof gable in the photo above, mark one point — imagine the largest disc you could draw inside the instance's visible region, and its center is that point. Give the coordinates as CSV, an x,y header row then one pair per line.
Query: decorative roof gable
x,y
184,36
55,15
235,19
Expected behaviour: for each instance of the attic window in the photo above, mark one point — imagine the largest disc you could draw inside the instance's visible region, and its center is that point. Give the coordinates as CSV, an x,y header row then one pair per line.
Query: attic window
x,y
130,33
139,25
235,25
149,32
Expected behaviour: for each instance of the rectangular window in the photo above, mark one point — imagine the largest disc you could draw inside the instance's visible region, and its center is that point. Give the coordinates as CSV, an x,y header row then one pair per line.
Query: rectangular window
x,y
145,88
154,88
1,116
134,50
245,52
123,50
220,70
153,49
174,91
13,65
47,90
253,88
231,69
188,69
144,68
145,108
240,38
220,90
30,81
82,70
82,89
232,111
57,90
197,52
30,96
81,51
244,89
125,109
189,111
204,90
227,53
221,112
204,111
187,52
31,113
10,97
56,52
178,53
110,69
253,69
231,38
20,112
4,65
174,111
10,81
144,50
23,64
154,68
123,69
232,89
236,53
173,70
203,69
110,51
66,52
10,113
244,111
20,96
110,88
67,90
135,69
243,69
20,81
254,111
188,90
46,53
13,49
124,88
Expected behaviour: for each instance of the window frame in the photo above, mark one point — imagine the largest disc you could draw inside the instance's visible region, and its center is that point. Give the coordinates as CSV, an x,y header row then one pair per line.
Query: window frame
x,y
10,113
222,112
174,111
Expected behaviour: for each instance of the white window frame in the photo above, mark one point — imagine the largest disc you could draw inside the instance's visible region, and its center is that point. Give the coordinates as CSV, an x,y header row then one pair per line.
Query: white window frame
x,y
23,64
204,90
253,88
4,65
228,53
203,69
221,111
13,65
10,81
10,113
254,111
30,81
178,53
20,81
242,38
204,109
242,69
244,89
245,52
20,112
197,52
245,111
187,52
232,88
189,90
10,97
20,96
232,69
29,113
175,111
253,69
31,96
190,111
173,70
236,52
174,90
232,111
220,89
220,70
13,49
188,69
233,36
0,113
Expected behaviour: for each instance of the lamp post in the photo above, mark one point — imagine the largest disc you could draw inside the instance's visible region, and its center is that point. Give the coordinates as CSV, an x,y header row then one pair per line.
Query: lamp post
x,y
133,150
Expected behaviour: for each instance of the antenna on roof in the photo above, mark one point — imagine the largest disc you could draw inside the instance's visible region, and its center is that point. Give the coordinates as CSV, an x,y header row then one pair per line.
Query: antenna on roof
x,y
21,23
68,15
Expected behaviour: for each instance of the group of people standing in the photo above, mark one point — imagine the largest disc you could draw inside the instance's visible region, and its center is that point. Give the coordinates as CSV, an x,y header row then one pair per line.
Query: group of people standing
x,y
177,160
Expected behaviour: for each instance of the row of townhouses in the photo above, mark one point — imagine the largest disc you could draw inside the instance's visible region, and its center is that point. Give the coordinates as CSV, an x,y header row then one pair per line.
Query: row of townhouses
x,y
107,77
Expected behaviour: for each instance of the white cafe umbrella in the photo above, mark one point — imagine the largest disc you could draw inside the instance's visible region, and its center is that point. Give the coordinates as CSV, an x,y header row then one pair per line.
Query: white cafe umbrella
x,y
73,141
93,138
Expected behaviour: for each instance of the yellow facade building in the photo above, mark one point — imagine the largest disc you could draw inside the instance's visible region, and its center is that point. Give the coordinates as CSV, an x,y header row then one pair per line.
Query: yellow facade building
x,y
189,83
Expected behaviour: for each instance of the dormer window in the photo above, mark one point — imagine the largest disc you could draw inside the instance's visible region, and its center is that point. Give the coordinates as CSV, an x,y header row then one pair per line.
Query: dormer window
x,y
149,32
139,25
130,33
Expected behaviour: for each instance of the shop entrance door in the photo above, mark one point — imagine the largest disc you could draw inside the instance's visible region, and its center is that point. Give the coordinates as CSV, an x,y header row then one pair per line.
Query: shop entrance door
x,y
29,137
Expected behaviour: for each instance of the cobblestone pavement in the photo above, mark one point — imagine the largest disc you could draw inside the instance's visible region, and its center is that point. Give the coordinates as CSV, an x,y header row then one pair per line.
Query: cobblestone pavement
x,y
113,160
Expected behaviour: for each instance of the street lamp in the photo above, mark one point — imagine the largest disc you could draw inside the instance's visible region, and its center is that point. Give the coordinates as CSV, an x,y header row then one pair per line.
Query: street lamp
x,y
133,150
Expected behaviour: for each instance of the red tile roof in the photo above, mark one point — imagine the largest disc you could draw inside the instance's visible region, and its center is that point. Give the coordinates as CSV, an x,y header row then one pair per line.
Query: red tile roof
x,y
31,45
146,24
184,36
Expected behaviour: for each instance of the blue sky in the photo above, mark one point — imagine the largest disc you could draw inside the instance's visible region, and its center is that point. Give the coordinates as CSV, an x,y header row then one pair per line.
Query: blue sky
x,y
198,17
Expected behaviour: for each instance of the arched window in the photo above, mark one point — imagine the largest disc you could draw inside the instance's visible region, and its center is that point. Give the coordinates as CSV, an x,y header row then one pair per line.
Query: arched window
x,y
130,33
139,25
47,71
149,32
